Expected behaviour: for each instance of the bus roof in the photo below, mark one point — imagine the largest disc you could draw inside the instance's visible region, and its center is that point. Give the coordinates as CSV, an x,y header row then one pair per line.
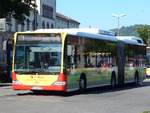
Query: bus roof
x,y
131,40
94,33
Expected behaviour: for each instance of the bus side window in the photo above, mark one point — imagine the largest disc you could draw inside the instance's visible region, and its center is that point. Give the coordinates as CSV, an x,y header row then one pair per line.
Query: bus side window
x,y
69,58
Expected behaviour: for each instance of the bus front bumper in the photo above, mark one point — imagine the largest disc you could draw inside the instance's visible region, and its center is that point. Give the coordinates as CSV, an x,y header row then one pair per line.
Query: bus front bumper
x,y
42,88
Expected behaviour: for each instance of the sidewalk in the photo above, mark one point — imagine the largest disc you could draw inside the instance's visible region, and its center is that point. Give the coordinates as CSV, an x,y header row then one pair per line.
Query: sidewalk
x,y
5,84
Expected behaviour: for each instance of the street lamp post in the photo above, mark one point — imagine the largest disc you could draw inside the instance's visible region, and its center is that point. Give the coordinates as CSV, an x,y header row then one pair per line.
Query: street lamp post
x,y
148,37
118,16
35,15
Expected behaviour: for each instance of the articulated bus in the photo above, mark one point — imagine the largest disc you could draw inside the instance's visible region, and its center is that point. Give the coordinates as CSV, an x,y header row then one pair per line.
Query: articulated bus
x,y
70,59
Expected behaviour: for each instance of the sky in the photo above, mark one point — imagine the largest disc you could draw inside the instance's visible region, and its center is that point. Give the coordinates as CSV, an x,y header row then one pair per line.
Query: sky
x,y
98,13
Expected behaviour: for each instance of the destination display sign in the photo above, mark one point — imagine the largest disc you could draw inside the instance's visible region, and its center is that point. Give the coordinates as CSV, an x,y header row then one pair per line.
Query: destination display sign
x,y
36,37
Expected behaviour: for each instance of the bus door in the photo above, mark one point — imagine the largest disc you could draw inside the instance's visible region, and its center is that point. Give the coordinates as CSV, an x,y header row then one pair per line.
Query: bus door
x,y
9,58
121,63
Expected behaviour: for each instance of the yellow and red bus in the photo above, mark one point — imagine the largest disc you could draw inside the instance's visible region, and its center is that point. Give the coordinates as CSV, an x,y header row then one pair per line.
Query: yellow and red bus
x,y
71,59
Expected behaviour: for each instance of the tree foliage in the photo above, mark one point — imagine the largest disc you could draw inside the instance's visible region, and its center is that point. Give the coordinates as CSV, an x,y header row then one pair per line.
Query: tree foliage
x,y
128,30
18,9
143,32
135,30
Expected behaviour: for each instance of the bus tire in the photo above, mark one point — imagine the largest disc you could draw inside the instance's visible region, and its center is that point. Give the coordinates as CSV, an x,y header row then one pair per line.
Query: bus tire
x,y
113,79
136,77
82,83
36,92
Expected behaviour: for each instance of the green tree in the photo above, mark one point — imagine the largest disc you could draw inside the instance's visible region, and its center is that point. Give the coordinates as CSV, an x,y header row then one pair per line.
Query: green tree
x,y
143,32
19,9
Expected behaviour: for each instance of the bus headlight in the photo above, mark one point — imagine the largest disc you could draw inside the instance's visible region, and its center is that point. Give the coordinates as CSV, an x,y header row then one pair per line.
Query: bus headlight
x,y
16,82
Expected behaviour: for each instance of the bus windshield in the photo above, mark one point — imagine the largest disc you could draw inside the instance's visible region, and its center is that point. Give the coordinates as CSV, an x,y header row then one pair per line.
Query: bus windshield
x,y
38,55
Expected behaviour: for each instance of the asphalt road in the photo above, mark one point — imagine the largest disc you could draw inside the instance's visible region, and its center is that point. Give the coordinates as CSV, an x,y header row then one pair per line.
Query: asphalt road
x,y
131,99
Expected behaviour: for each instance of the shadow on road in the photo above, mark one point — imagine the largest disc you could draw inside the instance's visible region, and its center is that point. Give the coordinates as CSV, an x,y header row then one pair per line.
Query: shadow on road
x,y
95,90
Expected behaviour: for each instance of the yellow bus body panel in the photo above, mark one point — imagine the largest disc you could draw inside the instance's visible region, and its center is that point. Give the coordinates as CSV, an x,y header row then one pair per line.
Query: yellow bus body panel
x,y
148,71
37,80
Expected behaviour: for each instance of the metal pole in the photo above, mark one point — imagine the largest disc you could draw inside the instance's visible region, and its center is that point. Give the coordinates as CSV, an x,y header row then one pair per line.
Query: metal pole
x,y
35,16
118,19
148,38
118,25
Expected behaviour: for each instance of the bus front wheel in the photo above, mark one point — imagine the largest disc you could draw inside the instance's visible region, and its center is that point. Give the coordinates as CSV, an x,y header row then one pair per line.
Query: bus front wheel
x,y
113,79
136,78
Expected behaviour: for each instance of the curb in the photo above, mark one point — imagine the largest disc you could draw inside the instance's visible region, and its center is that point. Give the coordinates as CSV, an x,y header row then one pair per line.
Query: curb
x,y
5,84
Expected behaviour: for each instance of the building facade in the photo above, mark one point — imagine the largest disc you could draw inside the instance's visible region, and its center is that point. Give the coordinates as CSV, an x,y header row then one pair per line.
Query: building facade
x,y
63,21
47,13
42,17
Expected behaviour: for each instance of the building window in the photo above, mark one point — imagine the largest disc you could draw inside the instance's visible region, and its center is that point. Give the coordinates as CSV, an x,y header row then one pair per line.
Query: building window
x,y
47,25
8,22
28,24
22,26
34,25
16,25
47,11
43,25
52,25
